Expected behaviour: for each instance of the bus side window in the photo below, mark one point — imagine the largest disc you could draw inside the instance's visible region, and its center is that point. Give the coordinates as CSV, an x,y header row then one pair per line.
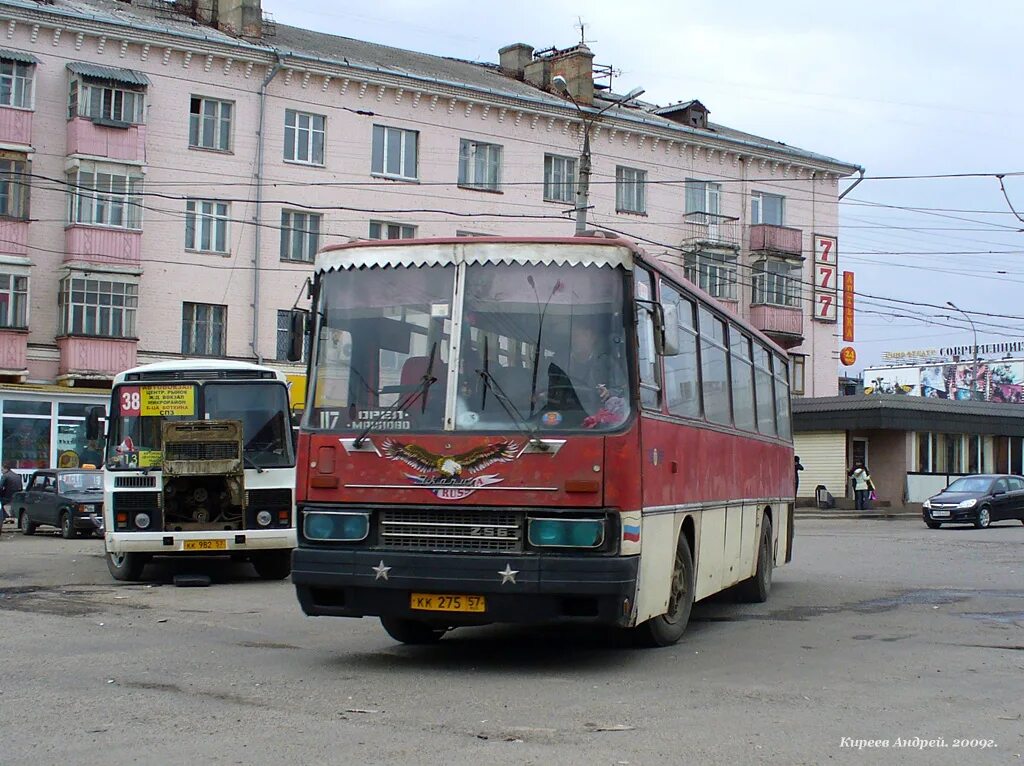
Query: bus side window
x,y
647,357
682,376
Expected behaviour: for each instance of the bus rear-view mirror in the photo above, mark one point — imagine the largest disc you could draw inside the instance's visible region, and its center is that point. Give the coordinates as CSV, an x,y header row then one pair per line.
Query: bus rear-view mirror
x,y
296,335
94,423
669,330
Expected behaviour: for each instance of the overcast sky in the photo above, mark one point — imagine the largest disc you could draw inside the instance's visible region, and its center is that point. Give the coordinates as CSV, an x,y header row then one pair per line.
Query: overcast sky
x,y
902,87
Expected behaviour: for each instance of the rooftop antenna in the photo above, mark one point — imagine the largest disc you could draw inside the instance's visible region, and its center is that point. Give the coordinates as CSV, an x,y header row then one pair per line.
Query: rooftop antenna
x,y
582,27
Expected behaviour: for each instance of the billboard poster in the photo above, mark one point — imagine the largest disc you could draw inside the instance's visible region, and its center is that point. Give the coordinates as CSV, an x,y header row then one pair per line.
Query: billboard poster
x,y
998,380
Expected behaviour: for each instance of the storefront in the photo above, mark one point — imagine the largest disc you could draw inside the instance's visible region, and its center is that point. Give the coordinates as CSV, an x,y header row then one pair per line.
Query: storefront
x,y
913,446
44,426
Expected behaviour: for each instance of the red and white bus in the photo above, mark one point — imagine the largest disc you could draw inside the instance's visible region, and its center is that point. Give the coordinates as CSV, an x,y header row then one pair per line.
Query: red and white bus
x,y
527,430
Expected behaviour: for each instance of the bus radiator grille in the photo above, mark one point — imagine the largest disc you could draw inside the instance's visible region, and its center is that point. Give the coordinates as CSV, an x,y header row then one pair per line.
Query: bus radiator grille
x,y
201,451
464,531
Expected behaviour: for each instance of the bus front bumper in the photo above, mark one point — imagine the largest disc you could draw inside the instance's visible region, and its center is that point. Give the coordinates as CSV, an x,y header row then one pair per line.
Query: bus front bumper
x,y
173,543
516,588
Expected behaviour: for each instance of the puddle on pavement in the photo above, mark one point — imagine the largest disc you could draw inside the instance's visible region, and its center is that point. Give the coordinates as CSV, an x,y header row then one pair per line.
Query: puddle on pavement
x,y
61,601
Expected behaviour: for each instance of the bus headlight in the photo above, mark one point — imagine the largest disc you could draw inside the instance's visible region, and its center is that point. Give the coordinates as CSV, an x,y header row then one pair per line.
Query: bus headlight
x,y
142,520
335,526
566,533
263,518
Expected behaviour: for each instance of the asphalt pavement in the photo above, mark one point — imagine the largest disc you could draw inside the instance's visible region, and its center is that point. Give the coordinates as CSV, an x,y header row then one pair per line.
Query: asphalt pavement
x,y
883,642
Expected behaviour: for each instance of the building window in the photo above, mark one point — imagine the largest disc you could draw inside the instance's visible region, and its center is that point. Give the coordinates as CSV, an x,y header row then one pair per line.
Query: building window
x,y
798,370
105,195
304,137
13,300
209,124
102,307
202,329
559,178
703,201
767,208
388,230
630,190
300,235
106,100
16,83
776,283
479,165
714,273
14,189
284,334
394,152
206,225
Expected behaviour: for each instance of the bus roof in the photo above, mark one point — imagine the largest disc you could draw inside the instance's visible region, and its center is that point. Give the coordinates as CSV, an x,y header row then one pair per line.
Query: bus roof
x,y
187,366
595,248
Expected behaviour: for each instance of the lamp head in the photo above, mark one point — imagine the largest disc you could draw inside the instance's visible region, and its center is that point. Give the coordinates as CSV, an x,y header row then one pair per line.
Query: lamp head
x,y
560,83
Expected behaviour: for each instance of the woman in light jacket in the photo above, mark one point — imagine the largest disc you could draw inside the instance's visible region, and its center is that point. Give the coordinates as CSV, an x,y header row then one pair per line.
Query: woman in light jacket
x,y
862,486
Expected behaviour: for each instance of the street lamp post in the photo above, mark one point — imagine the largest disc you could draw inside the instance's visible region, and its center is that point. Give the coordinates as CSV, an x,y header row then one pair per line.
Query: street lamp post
x,y
583,183
974,375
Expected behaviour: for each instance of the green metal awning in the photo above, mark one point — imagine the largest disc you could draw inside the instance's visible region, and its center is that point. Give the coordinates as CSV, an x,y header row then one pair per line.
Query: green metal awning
x,y
97,72
24,58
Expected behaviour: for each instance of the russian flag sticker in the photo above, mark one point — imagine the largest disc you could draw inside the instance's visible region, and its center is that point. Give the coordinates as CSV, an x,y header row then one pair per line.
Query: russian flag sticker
x,y
631,533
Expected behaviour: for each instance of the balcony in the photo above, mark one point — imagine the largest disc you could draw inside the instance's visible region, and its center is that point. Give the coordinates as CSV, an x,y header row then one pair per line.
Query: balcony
x,y
121,247
13,236
705,231
88,358
15,126
118,141
14,352
776,239
782,324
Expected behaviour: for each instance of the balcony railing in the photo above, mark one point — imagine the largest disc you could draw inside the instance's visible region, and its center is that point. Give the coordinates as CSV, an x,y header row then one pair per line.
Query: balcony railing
x,y
103,245
13,236
92,358
13,351
15,126
782,324
709,230
778,239
126,142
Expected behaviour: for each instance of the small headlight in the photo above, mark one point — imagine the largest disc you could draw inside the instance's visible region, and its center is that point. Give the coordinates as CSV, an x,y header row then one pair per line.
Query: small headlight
x,y
263,518
566,533
927,503
337,526
968,503
142,520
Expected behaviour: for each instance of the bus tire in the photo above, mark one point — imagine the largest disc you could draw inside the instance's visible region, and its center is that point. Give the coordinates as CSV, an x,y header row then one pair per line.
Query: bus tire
x,y
407,631
126,567
273,565
756,589
666,629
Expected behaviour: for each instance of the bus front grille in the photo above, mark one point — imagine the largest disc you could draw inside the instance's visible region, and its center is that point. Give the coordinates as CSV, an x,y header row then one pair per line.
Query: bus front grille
x,y
201,451
464,531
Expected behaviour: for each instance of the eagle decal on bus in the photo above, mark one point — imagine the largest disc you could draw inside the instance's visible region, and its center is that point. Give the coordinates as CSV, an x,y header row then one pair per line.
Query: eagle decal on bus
x,y
444,475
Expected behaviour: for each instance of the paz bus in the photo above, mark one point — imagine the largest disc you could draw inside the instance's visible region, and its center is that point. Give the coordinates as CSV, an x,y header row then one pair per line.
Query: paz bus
x,y
199,459
529,430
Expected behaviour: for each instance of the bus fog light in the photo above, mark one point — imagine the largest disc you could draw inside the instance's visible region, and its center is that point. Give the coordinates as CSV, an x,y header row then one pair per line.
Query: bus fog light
x,y
142,520
332,525
566,533
263,518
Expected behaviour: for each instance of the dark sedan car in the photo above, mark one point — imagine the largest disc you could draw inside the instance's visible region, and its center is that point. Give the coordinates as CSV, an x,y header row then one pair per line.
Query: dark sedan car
x,y
977,500
71,500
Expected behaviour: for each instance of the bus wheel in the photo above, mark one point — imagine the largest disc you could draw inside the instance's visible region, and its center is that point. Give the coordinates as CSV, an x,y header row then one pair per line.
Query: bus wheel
x,y
273,565
666,629
411,631
126,566
756,589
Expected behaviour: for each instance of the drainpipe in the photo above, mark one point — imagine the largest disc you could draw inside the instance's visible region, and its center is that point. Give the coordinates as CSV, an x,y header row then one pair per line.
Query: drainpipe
x,y
853,185
259,210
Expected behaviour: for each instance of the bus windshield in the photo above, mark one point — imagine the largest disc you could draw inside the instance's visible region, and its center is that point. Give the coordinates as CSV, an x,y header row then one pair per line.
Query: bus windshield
x,y
262,409
542,347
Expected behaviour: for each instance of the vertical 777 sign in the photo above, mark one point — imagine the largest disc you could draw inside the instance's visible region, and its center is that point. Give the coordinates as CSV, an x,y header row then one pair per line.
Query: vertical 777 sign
x,y
826,278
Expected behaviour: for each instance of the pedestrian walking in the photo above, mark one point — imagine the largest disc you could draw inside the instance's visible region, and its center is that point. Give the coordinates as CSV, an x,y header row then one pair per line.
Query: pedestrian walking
x,y
862,486
797,468
10,482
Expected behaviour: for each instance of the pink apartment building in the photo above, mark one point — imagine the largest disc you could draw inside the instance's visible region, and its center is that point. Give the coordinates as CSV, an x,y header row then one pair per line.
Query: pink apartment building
x,y
168,171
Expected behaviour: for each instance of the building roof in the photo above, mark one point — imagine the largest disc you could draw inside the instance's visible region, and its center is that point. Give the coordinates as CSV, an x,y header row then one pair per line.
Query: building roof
x,y
894,412
486,77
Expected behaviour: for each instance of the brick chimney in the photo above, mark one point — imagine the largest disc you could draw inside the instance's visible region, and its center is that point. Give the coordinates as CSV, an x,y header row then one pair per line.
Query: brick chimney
x,y
576,65
242,18
514,59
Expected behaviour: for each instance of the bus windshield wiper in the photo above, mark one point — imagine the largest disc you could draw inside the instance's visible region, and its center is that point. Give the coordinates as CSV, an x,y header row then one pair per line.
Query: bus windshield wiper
x,y
248,462
513,412
425,383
